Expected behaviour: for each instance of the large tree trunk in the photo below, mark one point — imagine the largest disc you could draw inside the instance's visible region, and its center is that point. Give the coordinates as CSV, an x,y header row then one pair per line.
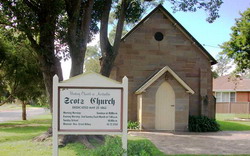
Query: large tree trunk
x,y
106,47
24,114
47,12
107,63
49,63
79,16
77,62
110,52
49,69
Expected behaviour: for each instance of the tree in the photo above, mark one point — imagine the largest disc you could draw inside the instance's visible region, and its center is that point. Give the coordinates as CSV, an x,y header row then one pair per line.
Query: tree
x,y
238,47
215,75
37,20
19,71
223,65
109,52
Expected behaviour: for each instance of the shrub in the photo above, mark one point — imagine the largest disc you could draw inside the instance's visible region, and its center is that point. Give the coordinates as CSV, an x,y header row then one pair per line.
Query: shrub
x,y
202,124
112,146
133,125
141,148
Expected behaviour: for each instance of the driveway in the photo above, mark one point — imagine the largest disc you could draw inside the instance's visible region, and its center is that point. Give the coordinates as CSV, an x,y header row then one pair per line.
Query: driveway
x,y
10,115
225,142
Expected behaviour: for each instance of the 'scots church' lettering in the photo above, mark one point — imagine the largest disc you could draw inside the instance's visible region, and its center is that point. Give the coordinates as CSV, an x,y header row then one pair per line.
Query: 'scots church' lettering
x,y
97,101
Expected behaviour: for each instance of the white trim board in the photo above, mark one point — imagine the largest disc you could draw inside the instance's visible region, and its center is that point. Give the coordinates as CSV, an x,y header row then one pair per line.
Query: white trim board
x,y
158,75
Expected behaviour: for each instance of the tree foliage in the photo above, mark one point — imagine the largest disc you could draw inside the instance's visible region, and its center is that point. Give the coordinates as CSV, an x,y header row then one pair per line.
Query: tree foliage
x,y
210,6
37,21
21,77
238,47
224,65
92,62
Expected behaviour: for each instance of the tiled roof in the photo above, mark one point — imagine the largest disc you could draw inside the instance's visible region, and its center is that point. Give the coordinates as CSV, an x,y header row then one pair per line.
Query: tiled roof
x,y
228,83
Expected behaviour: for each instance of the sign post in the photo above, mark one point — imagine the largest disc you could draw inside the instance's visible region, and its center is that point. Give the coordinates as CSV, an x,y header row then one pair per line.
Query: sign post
x,y
90,104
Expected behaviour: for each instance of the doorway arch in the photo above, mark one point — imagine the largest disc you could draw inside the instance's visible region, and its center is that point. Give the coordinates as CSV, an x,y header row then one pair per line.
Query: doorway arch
x,y
165,107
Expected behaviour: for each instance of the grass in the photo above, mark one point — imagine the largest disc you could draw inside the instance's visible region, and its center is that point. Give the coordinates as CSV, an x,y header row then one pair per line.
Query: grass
x,y
234,126
226,125
208,155
16,138
17,106
23,130
224,116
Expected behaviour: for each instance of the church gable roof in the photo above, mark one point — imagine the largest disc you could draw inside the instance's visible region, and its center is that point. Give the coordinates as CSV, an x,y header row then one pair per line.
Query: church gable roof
x,y
155,76
178,25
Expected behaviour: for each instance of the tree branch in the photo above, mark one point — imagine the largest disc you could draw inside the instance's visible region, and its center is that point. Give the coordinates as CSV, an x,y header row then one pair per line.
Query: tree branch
x,y
72,9
119,28
33,5
85,24
104,41
6,100
33,42
7,23
109,52
26,30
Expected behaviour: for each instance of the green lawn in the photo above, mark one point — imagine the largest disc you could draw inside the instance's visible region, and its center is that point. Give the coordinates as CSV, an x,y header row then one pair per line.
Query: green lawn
x,y
16,139
226,125
221,116
234,126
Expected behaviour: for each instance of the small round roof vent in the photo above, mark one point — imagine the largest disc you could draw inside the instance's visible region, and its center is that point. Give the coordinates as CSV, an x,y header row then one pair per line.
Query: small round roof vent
x,y
159,36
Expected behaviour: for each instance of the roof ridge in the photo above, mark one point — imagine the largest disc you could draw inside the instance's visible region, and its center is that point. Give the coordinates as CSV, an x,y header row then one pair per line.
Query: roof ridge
x,y
181,28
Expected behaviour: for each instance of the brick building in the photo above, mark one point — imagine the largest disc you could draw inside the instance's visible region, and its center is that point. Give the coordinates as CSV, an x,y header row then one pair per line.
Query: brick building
x,y
231,89
169,73
232,94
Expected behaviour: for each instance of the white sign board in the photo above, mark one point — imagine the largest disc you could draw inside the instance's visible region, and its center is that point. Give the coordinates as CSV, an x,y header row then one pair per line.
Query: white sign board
x,y
90,104
90,109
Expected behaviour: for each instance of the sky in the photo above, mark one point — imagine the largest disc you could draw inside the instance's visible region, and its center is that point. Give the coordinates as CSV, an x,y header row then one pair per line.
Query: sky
x,y
210,35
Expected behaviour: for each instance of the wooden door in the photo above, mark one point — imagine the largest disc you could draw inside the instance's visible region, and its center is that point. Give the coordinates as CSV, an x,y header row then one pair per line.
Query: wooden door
x,y
165,107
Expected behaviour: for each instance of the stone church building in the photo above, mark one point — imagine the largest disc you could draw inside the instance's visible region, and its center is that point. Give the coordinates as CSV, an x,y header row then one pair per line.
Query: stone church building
x,y
169,73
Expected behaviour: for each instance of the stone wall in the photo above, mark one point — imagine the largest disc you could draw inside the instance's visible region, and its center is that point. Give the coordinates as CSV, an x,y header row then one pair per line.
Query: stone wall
x,y
181,104
140,55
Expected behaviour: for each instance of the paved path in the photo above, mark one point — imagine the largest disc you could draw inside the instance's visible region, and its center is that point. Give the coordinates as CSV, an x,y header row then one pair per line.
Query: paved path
x,y
10,115
226,142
